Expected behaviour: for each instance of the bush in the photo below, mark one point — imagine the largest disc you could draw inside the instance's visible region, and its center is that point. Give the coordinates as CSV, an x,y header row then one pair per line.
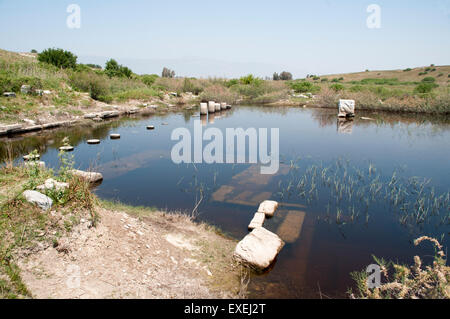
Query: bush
x,y
91,82
337,87
407,70
34,51
324,80
249,79
113,69
304,87
189,86
231,82
59,58
429,79
149,79
425,87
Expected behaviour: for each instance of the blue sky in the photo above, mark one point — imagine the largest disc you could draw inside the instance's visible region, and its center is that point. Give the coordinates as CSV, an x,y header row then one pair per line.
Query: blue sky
x,y
233,38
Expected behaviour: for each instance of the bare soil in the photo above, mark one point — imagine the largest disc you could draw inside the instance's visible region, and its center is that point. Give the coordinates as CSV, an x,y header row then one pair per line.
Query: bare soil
x,y
158,256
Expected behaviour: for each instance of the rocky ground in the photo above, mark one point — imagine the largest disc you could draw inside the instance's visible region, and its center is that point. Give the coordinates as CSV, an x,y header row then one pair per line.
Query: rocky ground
x,y
127,257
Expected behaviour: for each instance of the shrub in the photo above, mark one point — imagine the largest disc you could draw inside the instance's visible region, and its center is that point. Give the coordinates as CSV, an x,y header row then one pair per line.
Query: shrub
x,y
356,88
429,79
149,79
304,87
231,82
423,73
112,68
335,80
407,70
425,87
34,51
91,82
324,80
59,58
249,79
337,87
316,78
189,86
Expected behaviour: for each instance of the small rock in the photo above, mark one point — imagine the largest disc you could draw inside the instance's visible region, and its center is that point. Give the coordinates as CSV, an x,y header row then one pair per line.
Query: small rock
x,y
258,249
91,177
114,136
34,197
67,148
52,184
9,94
150,127
268,207
90,115
30,122
25,89
31,157
93,141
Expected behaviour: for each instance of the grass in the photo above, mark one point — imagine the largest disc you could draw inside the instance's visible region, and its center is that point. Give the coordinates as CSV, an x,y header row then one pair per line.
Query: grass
x,y
24,227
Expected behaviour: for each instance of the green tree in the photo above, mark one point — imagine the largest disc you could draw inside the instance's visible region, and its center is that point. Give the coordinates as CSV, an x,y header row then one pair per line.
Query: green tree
x,y
59,58
112,68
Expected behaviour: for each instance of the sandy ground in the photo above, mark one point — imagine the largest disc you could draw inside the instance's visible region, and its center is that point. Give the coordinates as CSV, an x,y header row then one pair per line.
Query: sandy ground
x,y
127,257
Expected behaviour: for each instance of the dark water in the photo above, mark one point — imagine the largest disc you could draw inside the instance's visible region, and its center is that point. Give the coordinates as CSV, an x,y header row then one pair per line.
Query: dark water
x,y
349,190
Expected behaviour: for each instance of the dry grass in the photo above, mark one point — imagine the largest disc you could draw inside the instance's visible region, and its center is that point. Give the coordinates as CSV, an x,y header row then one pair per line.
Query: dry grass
x,y
415,282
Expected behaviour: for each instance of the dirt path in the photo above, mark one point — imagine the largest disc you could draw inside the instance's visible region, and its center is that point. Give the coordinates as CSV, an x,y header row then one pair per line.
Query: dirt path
x,y
161,256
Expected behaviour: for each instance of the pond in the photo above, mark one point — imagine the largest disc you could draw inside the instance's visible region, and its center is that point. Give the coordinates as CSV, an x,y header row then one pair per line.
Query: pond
x,y
349,189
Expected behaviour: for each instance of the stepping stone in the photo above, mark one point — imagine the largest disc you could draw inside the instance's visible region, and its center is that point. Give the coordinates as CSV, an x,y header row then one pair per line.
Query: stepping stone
x,y
66,148
114,136
257,221
268,207
93,141
31,157
91,177
258,249
36,198
150,127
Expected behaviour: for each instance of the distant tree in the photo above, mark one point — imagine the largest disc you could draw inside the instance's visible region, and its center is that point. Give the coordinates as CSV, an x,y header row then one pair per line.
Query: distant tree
x,y
285,76
59,58
94,66
112,68
167,73
34,51
276,77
